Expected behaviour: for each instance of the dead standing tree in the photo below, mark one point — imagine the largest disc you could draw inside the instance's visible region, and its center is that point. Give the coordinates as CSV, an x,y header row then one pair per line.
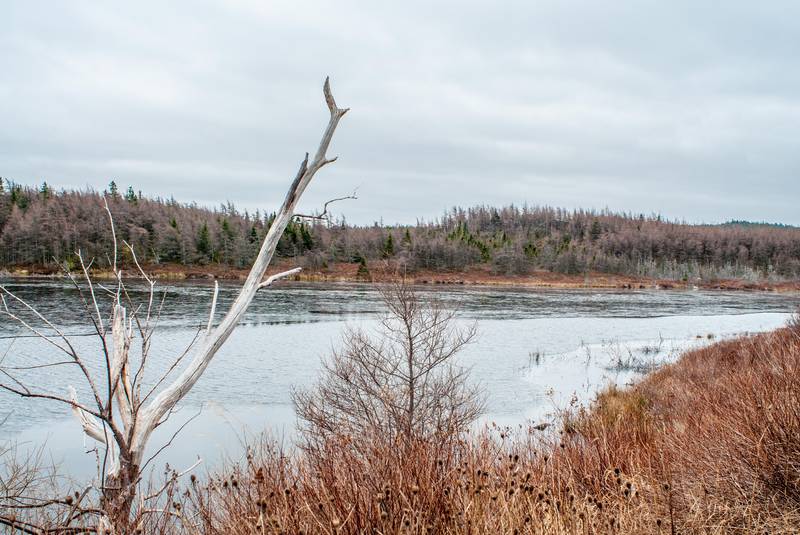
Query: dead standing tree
x,y
119,415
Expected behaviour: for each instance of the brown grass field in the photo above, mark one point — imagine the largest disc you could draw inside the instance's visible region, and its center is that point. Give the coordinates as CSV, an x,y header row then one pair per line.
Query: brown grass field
x,y
476,276
710,444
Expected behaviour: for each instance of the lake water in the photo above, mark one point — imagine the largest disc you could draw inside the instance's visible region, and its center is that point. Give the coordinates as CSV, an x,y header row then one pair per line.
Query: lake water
x,y
536,350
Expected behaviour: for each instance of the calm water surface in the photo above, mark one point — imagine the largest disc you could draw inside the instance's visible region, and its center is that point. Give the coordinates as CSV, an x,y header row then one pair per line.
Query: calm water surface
x,y
536,351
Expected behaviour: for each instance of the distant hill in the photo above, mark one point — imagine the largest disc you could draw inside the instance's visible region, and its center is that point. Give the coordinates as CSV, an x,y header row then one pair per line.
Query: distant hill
x,y
743,223
40,224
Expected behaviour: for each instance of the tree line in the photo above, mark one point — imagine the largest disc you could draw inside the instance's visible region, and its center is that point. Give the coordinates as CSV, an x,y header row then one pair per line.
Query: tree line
x,y
41,226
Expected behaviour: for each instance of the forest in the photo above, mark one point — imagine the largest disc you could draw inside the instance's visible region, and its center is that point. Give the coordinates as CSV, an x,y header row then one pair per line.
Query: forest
x,y
42,226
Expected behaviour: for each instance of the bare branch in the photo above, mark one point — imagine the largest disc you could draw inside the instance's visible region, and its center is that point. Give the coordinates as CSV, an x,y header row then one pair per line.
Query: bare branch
x,y
213,307
174,435
152,413
325,215
279,276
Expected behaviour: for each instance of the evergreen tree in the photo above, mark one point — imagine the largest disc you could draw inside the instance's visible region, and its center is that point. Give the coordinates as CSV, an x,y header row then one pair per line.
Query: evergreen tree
x,y
44,191
227,242
204,243
18,197
388,247
596,230
305,236
130,196
407,238
113,190
363,271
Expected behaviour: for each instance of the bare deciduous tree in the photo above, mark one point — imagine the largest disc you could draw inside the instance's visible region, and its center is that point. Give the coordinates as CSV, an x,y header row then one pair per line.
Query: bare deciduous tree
x,y
120,415
401,383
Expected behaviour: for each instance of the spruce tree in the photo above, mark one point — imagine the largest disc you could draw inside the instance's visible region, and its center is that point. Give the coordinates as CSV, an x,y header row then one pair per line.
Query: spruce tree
x,y
130,196
596,230
388,247
305,236
204,243
363,270
44,191
407,238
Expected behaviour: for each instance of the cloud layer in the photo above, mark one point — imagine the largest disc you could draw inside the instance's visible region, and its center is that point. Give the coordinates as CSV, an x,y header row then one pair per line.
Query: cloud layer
x,y
681,108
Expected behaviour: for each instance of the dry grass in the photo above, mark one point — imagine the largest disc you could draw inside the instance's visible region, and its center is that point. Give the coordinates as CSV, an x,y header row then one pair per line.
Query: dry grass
x,y
710,444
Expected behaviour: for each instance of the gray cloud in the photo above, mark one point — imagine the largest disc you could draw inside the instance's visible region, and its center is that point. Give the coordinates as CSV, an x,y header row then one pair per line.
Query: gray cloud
x,y
683,108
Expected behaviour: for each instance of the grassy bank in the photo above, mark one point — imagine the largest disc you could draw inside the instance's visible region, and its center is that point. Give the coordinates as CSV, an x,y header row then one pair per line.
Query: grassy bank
x,y
710,444
484,276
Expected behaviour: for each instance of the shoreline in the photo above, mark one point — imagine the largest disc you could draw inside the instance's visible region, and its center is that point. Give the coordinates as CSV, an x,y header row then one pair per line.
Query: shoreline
x,y
476,276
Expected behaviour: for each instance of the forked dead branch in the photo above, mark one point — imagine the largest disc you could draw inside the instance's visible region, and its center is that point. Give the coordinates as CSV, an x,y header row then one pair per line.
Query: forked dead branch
x,y
119,414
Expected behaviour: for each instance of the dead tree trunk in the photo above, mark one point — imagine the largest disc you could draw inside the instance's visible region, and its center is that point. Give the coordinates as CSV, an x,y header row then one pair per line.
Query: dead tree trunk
x,y
120,416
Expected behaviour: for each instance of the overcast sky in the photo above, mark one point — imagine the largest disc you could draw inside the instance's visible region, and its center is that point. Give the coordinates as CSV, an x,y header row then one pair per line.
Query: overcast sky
x,y
687,109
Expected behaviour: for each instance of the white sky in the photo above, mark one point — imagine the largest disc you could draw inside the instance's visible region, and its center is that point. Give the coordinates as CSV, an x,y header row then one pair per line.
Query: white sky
x,y
686,108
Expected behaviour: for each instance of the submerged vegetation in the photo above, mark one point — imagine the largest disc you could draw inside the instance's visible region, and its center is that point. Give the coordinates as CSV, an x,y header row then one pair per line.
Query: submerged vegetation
x,y
38,225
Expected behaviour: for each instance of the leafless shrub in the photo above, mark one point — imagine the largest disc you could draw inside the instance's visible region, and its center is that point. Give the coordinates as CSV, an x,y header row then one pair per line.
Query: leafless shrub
x,y
400,383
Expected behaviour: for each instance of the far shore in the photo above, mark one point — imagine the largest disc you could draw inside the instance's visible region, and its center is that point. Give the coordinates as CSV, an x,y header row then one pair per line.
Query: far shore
x,y
476,276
